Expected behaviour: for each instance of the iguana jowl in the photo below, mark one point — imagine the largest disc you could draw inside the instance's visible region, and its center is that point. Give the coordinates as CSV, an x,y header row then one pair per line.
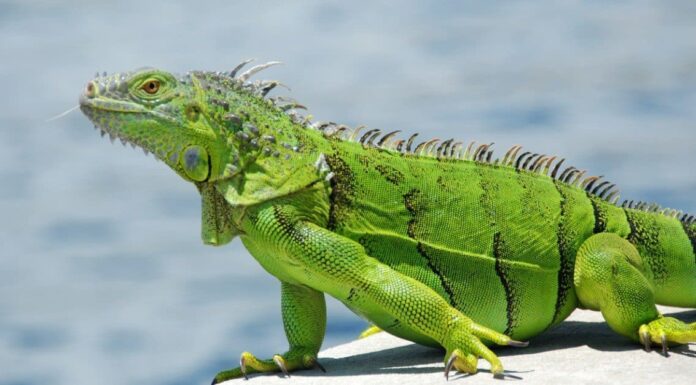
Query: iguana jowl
x,y
435,242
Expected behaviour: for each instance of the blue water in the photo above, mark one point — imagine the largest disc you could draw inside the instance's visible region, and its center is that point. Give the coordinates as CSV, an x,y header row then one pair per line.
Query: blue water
x,y
103,278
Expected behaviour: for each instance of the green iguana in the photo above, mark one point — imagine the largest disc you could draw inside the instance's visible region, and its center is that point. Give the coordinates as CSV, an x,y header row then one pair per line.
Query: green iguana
x,y
439,242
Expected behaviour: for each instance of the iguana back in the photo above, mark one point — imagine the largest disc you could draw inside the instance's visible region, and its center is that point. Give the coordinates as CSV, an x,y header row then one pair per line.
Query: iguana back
x,y
498,242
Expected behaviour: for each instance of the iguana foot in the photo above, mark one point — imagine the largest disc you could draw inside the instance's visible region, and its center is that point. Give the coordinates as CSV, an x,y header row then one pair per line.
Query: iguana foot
x,y
286,363
666,330
464,347
369,331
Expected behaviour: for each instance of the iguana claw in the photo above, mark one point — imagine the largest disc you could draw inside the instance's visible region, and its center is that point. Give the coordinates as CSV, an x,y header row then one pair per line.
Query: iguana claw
x,y
462,362
280,361
645,339
448,367
315,363
242,366
518,344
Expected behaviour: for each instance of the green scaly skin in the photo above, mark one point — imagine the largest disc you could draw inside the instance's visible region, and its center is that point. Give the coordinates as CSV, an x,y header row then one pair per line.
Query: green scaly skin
x,y
438,244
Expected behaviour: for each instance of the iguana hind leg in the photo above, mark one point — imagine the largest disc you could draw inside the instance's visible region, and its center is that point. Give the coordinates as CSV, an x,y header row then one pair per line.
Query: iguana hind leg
x,y
610,276
304,319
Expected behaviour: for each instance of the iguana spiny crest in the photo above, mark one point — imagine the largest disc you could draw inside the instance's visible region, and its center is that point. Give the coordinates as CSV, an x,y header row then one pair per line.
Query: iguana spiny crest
x,y
206,127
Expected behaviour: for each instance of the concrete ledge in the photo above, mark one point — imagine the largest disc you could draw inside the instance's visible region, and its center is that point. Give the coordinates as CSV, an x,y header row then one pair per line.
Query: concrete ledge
x,y
582,350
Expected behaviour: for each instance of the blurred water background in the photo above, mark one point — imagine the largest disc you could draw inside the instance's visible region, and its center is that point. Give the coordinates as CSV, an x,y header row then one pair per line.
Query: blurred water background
x,y
103,278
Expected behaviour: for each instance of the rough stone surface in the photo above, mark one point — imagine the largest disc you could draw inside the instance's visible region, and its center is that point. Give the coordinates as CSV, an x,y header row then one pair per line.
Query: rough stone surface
x,y
582,350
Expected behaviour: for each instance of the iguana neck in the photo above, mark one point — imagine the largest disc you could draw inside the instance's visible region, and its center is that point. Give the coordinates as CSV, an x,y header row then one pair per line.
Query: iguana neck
x,y
276,156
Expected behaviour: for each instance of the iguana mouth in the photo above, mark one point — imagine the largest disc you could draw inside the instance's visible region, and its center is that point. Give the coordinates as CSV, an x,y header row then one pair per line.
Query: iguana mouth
x,y
103,112
109,105
99,112
91,110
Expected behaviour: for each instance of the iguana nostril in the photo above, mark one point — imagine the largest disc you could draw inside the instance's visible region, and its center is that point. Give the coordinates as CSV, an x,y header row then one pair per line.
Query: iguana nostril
x,y
90,90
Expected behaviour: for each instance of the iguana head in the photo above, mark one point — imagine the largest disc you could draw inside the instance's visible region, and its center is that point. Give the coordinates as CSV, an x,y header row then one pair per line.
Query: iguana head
x,y
212,128
163,114
198,123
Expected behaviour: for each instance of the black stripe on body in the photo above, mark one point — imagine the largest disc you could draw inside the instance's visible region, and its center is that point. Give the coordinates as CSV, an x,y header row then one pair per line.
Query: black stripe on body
x,y
390,174
600,215
342,192
412,201
690,231
566,252
499,252
503,271
645,236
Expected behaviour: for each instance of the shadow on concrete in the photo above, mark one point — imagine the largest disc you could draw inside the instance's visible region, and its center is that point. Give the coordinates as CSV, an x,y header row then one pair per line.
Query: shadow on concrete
x,y
402,359
411,359
596,335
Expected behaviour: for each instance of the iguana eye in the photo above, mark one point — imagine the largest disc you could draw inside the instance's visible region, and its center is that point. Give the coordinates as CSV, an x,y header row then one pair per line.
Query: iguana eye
x,y
151,86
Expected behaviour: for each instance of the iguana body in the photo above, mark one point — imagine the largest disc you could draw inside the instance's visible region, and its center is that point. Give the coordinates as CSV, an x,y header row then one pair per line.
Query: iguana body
x,y
436,243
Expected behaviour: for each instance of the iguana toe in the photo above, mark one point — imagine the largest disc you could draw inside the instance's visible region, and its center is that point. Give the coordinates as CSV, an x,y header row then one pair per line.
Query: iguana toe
x,y
665,331
464,346
369,331
280,361
645,338
285,363
228,375
465,363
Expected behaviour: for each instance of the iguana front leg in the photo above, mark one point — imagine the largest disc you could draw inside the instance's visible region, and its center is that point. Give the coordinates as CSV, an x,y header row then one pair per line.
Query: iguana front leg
x,y
304,319
316,257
